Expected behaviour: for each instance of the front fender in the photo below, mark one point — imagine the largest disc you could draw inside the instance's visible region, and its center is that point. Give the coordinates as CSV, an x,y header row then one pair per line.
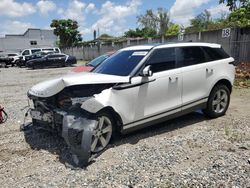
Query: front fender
x,y
92,105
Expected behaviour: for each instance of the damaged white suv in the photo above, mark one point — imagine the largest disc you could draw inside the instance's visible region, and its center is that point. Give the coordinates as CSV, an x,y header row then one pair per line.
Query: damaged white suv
x,y
136,87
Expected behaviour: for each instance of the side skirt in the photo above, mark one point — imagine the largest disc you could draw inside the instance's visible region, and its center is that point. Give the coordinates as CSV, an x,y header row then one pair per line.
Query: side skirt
x,y
169,115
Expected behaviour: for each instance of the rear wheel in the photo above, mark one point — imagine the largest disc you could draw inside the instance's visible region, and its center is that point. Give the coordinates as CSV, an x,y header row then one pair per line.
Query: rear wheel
x,y
218,101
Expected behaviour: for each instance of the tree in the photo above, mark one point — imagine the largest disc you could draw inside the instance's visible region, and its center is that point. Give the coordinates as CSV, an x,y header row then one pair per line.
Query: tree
x,y
200,22
158,21
234,4
174,29
105,36
240,17
144,32
148,20
67,32
163,20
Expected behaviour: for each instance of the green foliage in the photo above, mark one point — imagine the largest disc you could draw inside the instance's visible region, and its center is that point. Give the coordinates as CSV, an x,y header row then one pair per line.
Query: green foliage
x,y
200,22
240,17
148,20
163,20
105,36
144,33
67,32
234,4
174,29
158,21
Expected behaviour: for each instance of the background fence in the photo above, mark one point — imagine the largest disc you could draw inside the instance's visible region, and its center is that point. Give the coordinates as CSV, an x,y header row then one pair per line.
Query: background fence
x,y
235,41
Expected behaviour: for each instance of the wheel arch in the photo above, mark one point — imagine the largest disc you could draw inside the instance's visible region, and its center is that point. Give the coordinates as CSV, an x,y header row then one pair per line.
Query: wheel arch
x,y
222,81
225,82
117,118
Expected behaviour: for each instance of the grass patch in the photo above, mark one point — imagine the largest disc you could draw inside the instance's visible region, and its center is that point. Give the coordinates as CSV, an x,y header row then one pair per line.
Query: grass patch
x,y
242,83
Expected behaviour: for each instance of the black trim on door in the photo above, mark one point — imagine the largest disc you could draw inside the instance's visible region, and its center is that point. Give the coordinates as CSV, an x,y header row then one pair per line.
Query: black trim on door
x,y
127,86
201,105
165,118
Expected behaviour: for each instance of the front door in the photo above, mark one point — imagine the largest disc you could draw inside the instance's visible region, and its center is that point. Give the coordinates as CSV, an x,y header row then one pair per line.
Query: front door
x,y
149,98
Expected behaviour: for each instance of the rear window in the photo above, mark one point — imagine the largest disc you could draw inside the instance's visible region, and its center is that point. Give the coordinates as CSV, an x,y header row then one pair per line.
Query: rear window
x,y
215,53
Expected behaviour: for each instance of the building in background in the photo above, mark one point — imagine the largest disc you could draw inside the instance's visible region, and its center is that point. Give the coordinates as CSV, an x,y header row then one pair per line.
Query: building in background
x,y
32,38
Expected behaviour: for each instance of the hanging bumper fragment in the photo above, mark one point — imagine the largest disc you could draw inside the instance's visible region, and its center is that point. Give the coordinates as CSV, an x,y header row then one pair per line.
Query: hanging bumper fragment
x,y
77,132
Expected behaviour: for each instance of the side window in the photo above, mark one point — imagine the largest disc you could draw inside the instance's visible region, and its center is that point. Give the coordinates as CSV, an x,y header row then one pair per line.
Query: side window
x,y
215,53
55,56
35,50
162,60
26,52
191,56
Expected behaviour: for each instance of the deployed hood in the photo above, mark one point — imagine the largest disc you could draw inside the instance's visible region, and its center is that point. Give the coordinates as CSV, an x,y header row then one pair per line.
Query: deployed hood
x,y
51,87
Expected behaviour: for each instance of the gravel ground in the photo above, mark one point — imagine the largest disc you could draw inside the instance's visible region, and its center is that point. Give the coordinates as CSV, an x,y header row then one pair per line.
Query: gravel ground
x,y
190,151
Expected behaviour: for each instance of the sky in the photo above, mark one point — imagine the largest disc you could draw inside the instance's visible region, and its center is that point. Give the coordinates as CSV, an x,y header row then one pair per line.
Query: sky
x,y
113,17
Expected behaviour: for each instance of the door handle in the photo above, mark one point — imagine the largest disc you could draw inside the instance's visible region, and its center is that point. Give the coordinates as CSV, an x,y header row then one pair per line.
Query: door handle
x,y
173,79
208,70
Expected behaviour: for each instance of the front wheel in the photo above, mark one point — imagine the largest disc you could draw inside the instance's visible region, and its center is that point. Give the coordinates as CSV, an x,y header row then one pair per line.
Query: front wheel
x,y
99,139
102,133
218,101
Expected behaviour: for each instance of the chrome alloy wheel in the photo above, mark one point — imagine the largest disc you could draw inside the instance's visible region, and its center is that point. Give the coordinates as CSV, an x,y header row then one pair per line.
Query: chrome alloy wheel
x,y
102,134
220,101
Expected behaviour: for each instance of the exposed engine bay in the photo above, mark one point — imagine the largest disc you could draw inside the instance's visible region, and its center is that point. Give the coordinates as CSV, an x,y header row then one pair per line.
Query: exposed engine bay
x,y
65,114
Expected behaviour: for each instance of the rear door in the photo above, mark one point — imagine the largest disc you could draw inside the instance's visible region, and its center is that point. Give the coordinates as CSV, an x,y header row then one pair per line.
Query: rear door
x,y
195,73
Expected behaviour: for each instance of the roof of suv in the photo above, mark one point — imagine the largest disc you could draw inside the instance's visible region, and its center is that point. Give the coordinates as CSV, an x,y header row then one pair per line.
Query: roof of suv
x,y
181,44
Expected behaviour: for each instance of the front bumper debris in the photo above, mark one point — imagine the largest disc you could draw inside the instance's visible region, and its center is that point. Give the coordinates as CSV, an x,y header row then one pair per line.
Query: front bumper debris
x,y
37,115
77,132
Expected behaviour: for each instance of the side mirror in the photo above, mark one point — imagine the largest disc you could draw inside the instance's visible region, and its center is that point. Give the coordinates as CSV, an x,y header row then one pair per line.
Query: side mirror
x,y
147,72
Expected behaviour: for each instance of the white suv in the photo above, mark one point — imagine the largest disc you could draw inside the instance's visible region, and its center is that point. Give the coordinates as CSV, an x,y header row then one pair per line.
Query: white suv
x,y
136,87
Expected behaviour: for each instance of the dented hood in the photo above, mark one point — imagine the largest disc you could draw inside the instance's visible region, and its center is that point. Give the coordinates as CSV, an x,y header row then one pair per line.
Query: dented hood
x,y
51,87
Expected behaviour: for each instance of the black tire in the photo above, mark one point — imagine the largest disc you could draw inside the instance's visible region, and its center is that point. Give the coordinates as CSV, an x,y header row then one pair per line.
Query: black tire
x,y
214,101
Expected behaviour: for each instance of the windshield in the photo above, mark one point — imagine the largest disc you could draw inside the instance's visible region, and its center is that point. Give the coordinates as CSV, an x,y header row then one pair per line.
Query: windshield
x,y
122,63
95,62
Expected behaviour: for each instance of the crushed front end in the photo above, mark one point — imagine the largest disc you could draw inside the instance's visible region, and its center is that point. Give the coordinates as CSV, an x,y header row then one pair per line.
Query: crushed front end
x,y
63,113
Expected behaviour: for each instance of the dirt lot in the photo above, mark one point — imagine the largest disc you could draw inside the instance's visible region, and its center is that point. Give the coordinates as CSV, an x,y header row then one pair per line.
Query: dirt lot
x,y
190,151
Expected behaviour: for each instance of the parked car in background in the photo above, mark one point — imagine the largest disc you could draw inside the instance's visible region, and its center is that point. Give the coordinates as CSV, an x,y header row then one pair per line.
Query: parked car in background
x,y
31,51
5,61
36,55
41,54
92,64
137,87
27,54
15,57
51,60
